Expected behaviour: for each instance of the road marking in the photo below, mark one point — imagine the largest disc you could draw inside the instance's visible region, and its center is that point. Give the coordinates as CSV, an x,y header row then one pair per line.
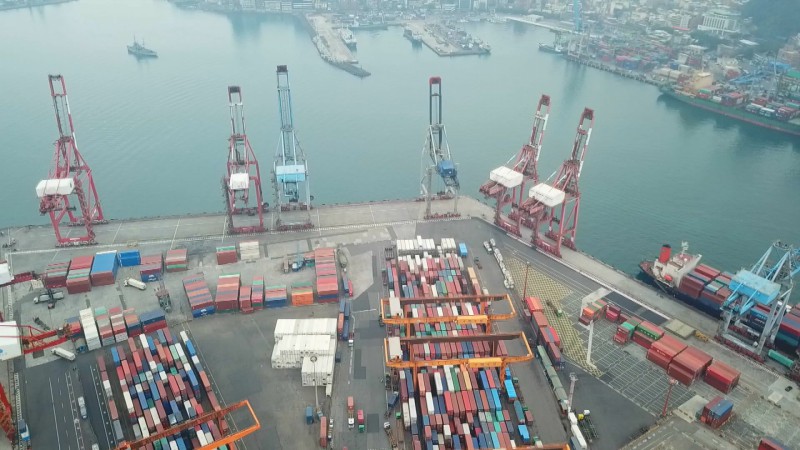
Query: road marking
x,y
352,351
72,405
55,415
100,404
115,234
172,245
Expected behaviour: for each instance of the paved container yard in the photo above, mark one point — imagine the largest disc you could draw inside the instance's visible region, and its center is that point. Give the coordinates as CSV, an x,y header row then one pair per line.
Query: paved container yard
x,y
623,391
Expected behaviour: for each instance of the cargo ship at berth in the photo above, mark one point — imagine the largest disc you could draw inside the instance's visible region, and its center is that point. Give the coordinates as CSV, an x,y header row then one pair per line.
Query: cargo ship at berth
x,y
703,287
735,105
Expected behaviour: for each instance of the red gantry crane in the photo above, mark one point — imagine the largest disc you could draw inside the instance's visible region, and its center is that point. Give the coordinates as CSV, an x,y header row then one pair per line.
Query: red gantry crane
x,y
243,179
558,204
70,178
507,185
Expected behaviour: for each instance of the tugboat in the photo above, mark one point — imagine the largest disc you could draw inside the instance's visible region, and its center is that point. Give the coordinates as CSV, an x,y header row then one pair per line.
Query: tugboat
x,y
348,38
140,51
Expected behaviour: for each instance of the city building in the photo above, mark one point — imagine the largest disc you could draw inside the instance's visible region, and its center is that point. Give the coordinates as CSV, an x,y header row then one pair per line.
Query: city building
x,y
720,22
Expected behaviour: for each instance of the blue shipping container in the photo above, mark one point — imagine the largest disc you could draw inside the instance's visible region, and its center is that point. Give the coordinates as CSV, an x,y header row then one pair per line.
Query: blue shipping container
x,y
309,415
523,434
130,258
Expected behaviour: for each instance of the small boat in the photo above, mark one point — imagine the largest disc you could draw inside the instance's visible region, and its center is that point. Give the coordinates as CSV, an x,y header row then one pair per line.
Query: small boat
x,y
140,51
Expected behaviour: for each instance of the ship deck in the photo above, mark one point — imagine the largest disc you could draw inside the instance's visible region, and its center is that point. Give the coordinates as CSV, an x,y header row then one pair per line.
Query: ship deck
x,y
624,391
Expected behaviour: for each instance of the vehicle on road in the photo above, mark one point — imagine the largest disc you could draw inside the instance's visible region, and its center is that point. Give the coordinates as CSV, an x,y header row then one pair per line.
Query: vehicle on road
x,y
477,263
133,282
487,247
82,408
66,354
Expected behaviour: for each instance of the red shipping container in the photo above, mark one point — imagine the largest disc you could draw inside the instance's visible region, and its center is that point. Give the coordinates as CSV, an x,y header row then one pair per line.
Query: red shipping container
x,y
642,340
681,374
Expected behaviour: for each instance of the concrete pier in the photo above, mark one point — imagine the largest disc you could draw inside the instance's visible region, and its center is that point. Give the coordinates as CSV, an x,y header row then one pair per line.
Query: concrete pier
x,y
433,36
330,45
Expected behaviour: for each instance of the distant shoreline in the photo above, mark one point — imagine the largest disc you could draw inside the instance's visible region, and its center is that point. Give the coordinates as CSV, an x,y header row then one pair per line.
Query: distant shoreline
x,y
32,4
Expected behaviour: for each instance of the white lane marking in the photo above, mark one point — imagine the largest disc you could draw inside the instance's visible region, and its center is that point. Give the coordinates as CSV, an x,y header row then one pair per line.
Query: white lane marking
x,y
55,415
116,233
174,235
99,404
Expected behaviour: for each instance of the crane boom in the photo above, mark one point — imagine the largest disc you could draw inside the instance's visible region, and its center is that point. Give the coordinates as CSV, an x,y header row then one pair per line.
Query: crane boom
x,y
436,156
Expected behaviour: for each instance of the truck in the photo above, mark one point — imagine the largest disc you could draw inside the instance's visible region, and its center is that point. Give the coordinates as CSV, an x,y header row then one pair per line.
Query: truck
x,y
51,295
361,424
392,402
133,282
82,408
387,428
487,247
351,405
24,433
66,354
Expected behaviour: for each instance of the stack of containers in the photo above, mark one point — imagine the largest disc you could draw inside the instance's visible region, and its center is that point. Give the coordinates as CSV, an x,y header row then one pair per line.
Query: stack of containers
x,y
533,305
771,444
593,311
152,321
118,324
104,268
73,325
646,333
257,293
104,326
426,276
721,376
689,365
227,298
275,296
717,412
226,255
327,277
319,373
664,350
78,275
162,384
55,275
152,268
132,323
302,293
788,337
245,300
199,295
625,330
177,260
613,312
291,349
129,258
89,329
457,408
249,251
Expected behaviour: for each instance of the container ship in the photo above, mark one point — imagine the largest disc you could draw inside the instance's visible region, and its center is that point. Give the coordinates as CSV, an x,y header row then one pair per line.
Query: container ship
x,y
758,111
706,288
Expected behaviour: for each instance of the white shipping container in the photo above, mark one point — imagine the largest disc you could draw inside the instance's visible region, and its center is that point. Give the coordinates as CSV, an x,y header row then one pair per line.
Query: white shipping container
x,y
143,427
429,401
406,415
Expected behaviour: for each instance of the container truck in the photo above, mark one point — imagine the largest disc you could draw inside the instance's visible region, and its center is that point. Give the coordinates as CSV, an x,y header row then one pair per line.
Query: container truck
x,y
351,422
133,282
66,354
361,424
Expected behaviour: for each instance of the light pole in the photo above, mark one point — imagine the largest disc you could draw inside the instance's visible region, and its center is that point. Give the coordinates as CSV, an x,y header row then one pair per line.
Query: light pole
x,y
672,382
314,368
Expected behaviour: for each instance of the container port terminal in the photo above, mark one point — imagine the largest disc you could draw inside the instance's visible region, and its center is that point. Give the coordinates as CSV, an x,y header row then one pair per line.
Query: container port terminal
x,y
442,319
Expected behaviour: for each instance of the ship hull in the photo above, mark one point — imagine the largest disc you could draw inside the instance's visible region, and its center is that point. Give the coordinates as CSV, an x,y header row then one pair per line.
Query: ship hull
x,y
550,49
735,113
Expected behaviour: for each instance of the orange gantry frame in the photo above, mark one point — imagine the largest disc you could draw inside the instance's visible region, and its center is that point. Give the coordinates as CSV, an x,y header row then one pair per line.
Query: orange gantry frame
x,y
213,415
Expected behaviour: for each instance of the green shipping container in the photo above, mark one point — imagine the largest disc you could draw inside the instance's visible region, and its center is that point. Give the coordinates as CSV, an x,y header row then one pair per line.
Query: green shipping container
x,y
783,360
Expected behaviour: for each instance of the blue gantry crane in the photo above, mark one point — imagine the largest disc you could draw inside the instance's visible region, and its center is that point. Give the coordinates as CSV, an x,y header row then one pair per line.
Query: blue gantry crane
x,y
436,157
768,283
290,171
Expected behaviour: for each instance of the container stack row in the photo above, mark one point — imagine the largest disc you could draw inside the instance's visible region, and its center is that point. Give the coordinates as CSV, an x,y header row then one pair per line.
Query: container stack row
x,y
302,293
344,314
200,300
249,250
327,276
625,330
133,325
319,372
226,255
78,276
544,334
177,260
129,258
55,275
646,333
160,383
275,296
689,365
103,321
593,311
153,320
426,276
257,293
151,268
707,286
721,376
717,412
89,328
104,268
227,297
288,327
415,246
290,351
788,336
462,409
